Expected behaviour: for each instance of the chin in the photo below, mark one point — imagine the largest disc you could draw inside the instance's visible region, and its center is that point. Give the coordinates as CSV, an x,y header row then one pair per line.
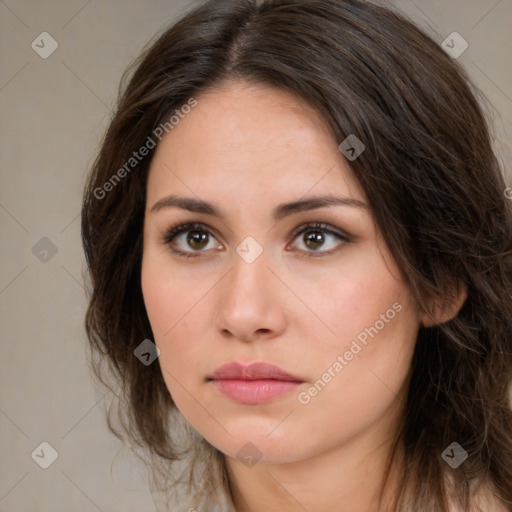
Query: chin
x,y
259,447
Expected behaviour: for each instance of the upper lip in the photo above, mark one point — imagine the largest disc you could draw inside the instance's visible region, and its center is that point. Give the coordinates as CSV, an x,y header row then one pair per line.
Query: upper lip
x,y
253,371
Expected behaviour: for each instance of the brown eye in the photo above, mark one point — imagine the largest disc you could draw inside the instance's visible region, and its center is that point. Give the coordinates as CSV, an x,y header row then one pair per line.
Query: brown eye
x,y
314,239
197,239
319,240
188,239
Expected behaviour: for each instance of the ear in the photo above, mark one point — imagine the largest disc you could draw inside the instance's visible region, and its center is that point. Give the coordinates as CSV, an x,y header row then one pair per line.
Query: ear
x,y
446,307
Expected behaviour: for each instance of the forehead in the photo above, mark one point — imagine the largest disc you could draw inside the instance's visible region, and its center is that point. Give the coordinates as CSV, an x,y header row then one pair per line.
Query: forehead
x,y
244,137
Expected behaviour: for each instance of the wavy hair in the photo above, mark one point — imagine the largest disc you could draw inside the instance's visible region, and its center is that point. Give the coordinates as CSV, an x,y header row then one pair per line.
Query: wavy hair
x,y
429,173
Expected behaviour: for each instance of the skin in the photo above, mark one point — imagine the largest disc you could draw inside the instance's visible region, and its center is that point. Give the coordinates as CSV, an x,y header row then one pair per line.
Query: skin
x,y
248,148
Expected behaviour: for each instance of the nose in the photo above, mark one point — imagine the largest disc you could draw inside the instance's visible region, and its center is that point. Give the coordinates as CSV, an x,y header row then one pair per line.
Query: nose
x,y
249,302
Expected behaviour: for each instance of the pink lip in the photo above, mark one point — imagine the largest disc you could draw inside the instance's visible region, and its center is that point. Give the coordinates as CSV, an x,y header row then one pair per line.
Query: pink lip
x,y
256,383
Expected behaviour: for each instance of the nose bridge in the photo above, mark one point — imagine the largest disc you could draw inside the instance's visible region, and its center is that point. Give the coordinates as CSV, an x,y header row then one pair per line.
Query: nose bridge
x,y
249,300
249,279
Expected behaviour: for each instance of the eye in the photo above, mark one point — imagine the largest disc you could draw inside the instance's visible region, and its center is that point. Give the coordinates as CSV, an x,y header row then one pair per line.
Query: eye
x,y
199,238
315,236
194,235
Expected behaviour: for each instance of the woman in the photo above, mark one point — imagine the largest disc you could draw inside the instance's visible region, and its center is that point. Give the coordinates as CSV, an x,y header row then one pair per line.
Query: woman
x,y
300,247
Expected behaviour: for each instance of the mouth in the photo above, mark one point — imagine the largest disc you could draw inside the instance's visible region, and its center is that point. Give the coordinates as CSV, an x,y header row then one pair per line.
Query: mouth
x,y
253,384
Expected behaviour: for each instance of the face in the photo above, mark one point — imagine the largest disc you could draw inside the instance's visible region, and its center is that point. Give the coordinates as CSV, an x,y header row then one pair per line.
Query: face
x,y
269,273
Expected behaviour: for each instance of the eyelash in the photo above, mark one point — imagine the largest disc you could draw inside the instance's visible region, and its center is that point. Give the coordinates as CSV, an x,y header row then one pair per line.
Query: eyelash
x,y
174,231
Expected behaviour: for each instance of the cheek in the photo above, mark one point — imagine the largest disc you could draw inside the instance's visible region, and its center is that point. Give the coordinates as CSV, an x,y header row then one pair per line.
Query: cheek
x,y
169,295
175,304
356,385
362,363
350,299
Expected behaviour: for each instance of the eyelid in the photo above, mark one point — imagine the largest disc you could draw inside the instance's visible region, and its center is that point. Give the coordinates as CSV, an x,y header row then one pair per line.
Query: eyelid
x,y
321,226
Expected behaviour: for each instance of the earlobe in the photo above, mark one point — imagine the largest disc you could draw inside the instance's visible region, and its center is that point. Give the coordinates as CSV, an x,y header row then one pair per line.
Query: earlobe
x,y
445,308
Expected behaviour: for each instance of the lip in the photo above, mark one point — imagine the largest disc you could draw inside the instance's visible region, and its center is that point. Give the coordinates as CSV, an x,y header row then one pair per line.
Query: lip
x,y
253,384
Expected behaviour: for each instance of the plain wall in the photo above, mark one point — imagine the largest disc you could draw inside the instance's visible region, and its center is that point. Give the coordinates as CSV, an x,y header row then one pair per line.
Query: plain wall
x,y
53,113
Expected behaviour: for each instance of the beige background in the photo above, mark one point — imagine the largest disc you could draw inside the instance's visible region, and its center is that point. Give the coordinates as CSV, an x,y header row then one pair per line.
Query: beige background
x,y
53,112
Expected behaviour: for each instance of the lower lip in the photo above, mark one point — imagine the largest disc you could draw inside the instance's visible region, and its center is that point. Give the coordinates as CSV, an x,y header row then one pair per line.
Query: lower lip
x,y
253,392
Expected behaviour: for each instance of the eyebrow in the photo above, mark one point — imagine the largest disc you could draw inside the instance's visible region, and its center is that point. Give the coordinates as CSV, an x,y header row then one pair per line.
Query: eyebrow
x,y
280,212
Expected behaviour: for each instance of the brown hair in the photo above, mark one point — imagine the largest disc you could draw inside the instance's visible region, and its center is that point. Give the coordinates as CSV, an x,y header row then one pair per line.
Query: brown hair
x,y
428,172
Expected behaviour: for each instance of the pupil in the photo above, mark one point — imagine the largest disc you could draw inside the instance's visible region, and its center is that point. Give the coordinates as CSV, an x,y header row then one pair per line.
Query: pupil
x,y
315,239
197,239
